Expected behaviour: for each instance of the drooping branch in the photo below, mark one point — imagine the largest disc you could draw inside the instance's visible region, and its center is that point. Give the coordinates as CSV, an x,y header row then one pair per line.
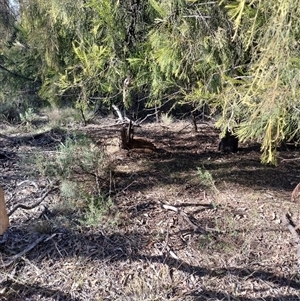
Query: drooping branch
x,y
17,74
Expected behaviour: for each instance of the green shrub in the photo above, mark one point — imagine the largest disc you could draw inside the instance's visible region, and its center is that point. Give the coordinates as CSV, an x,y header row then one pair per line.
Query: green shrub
x,y
206,178
97,208
76,155
28,116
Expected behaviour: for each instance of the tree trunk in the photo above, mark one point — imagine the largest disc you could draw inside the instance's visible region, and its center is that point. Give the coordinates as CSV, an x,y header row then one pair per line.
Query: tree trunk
x,y
4,221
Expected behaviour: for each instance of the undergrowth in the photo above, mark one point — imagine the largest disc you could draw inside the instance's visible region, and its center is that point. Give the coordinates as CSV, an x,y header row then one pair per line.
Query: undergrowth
x,y
82,170
206,178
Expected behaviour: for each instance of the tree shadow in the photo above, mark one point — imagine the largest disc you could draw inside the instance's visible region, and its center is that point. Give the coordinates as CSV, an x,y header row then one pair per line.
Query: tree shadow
x,y
177,166
180,167
17,291
128,247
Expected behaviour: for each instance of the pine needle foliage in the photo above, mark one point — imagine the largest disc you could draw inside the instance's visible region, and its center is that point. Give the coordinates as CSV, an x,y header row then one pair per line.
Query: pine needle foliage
x,y
239,57
187,49
268,92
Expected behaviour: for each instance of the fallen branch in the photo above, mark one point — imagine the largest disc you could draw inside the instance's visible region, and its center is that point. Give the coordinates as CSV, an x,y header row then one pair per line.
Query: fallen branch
x,y
188,125
287,221
124,189
27,249
41,199
28,182
185,216
288,160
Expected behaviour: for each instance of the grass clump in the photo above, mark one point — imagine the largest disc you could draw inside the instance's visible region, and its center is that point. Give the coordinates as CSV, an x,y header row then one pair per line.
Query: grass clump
x,y
166,119
68,190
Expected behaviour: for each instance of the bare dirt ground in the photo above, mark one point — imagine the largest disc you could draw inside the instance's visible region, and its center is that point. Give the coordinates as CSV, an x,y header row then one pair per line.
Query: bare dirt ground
x,y
186,222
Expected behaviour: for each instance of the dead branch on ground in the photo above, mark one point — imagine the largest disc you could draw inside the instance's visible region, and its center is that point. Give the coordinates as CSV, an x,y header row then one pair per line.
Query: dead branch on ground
x,y
287,221
40,200
26,250
185,216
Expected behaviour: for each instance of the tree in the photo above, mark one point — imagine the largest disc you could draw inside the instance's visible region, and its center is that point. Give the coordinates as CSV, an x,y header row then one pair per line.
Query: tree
x,y
265,98
10,76
241,58
115,32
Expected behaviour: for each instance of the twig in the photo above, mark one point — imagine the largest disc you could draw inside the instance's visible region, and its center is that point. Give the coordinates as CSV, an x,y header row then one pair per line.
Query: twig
x,y
288,160
105,97
123,190
183,128
168,207
148,115
118,112
27,249
110,183
172,254
286,219
296,109
185,217
30,183
32,206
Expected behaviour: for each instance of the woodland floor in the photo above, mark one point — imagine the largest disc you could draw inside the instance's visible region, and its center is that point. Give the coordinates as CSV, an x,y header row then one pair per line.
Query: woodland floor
x,y
226,242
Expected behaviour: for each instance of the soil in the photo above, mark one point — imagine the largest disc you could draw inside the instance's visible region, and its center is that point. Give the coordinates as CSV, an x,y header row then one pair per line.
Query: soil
x,y
186,222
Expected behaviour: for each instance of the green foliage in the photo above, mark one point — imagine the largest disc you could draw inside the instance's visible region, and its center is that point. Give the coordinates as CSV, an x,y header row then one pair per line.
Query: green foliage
x,y
83,78
75,162
28,116
96,209
267,97
77,155
240,58
206,178
68,190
